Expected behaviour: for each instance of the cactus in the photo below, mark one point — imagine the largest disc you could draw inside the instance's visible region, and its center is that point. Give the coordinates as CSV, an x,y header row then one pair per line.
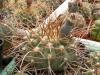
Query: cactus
x,y
95,33
4,32
96,11
86,9
79,25
28,20
46,52
49,54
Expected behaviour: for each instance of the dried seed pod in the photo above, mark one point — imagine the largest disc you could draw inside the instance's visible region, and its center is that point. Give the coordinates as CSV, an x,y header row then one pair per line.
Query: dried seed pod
x,y
29,3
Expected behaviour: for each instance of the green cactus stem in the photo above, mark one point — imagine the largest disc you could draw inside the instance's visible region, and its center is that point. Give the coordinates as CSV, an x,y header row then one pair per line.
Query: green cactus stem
x,y
95,33
49,54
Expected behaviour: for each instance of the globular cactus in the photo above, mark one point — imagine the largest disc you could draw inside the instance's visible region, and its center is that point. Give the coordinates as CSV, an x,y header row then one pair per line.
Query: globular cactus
x,y
49,54
86,9
96,10
78,20
95,33
4,33
78,23
28,20
74,23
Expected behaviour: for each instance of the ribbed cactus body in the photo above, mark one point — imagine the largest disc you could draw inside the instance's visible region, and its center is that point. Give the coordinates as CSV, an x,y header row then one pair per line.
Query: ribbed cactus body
x,y
86,9
96,10
95,33
27,19
55,58
4,33
50,54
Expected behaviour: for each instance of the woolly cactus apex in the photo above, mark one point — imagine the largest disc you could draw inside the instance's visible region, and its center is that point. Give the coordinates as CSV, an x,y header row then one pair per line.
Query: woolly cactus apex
x,y
95,33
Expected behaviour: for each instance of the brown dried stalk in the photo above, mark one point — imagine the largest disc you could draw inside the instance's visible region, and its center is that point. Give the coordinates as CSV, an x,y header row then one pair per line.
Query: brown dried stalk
x,y
52,29
29,3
